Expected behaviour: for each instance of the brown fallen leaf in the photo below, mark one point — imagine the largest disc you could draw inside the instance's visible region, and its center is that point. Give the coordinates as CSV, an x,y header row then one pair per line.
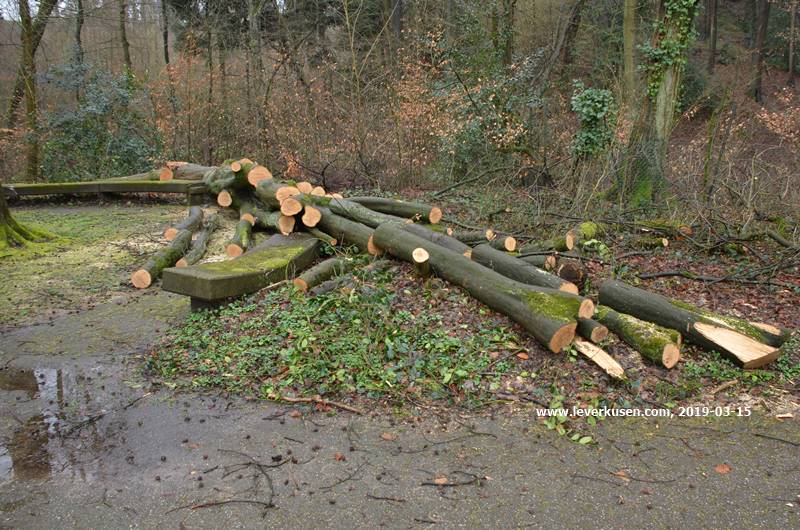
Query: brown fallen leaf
x,y
523,356
388,436
295,414
723,469
621,474
339,457
439,480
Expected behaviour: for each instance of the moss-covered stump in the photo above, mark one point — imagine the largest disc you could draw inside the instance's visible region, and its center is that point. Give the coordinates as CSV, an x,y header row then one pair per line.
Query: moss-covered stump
x,y
14,234
658,344
549,315
278,258
708,330
586,231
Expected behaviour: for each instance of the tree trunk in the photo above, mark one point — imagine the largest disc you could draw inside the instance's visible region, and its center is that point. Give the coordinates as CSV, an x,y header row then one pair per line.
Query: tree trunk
x,y
705,329
39,24
440,239
628,51
242,239
200,243
123,37
191,223
592,330
78,30
32,169
397,22
518,270
408,210
652,341
549,315
712,35
13,234
166,257
792,40
509,21
756,87
572,31
321,272
644,172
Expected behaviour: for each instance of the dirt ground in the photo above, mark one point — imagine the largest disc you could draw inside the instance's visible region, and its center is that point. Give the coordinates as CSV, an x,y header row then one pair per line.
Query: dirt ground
x,y
88,441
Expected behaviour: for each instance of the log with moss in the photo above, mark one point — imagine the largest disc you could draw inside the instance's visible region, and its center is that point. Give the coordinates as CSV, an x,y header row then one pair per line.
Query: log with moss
x,y
549,315
440,239
408,210
737,339
505,243
322,272
474,237
179,171
592,330
166,257
241,240
271,220
191,223
322,236
349,209
656,343
560,244
235,175
200,242
586,231
267,191
518,270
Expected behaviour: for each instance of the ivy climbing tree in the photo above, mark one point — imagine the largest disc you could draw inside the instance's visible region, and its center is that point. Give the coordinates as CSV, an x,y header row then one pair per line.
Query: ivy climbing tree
x,y
664,59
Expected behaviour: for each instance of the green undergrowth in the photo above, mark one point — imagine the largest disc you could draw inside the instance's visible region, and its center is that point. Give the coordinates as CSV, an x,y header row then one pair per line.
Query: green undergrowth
x,y
355,340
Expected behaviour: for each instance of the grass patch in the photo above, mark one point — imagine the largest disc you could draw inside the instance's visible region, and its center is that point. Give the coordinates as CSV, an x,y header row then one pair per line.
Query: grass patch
x,y
356,340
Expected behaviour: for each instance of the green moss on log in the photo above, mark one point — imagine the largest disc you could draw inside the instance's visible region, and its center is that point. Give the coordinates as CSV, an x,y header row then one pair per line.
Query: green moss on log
x,y
656,343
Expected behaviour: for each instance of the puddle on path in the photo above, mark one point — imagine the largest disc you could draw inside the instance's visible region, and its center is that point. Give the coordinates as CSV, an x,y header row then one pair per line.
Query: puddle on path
x,y
44,443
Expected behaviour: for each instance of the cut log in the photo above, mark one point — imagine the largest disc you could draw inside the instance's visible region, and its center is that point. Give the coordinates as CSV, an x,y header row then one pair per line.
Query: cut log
x,y
257,174
658,344
560,244
584,232
236,165
347,232
421,260
311,217
408,210
224,198
165,174
321,272
166,257
506,243
200,242
191,223
519,270
284,192
304,187
225,177
708,333
573,271
351,210
272,220
650,242
291,206
475,237
542,261
440,239
322,236
600,357
241,240
549,315
319,191
267,192
592,330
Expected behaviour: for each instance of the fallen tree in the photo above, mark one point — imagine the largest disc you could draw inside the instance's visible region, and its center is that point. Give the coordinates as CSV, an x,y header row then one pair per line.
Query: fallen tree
x,y
241,240
703,328
166,257
549,315
409,210
191,223
322,272
440,239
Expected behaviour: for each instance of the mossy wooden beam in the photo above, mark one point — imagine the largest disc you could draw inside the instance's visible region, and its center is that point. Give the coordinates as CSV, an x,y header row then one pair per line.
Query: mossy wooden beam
x,y
104,186
279,258
549,315
709,331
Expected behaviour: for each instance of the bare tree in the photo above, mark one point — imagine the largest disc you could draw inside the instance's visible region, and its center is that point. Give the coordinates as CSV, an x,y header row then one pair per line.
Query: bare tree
x,y
123,36
712,35
629,48
32,170
756,88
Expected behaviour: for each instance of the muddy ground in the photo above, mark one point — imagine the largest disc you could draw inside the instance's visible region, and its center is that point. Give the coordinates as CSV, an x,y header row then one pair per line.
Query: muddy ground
x,y
88,442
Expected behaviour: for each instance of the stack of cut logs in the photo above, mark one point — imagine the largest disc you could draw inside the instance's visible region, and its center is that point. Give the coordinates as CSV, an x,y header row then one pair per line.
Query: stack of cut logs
x,y
536,285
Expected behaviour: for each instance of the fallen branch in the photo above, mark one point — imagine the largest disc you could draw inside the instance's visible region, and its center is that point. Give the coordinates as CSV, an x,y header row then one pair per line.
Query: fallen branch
x,y
321,401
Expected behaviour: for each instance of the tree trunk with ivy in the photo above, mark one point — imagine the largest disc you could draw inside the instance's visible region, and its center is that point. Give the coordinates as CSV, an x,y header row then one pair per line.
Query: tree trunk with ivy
x,y
665,57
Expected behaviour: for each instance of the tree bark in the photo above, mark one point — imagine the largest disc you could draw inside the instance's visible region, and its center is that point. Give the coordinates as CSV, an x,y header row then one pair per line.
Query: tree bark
x,y
756,87
549,315
713,333
629,51
39,24
79,18
572,31
440,239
